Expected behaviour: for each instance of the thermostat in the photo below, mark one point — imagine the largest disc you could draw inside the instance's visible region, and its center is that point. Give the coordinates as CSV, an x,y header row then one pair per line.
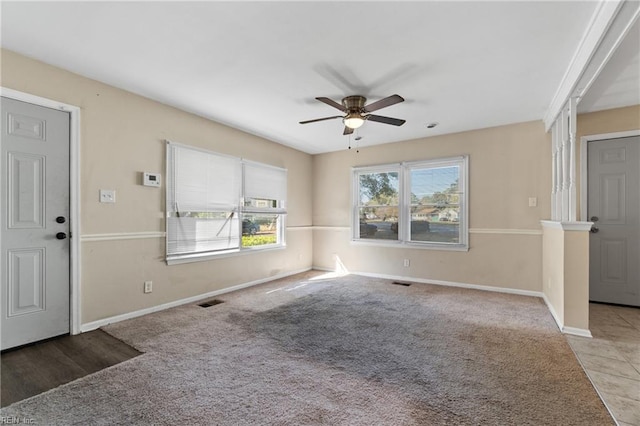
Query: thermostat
x,y
151,179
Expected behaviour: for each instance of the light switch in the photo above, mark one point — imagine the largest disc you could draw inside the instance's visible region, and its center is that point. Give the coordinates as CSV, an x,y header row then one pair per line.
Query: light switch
x,y
533,201
107,195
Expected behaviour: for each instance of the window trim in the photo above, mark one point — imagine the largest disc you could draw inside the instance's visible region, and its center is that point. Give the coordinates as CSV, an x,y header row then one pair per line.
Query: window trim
x,y
404,194
239,209
355,203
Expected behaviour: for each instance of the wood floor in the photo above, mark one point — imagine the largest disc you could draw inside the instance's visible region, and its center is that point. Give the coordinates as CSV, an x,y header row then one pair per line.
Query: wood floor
x,y
33,369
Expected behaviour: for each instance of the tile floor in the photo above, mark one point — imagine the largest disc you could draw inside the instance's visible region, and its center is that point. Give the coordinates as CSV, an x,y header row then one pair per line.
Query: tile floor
x,y
612,359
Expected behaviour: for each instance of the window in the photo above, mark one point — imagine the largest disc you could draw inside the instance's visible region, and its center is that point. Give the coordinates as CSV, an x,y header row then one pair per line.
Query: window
x,y
378,205
422,204
265,192
221,204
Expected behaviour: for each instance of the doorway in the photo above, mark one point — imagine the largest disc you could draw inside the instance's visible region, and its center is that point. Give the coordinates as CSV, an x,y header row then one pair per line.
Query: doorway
x,y
613,205
40,215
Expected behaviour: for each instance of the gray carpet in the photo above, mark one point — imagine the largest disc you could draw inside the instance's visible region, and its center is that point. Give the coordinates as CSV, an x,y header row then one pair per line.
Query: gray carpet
x,y
344,351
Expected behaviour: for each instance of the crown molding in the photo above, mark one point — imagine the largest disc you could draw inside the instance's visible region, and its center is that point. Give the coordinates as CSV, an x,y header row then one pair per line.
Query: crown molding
x,y
609,25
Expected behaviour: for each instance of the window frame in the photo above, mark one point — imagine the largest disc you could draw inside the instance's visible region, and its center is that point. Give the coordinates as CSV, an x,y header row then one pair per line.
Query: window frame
x,y
355,216
239,209
280,210
404,170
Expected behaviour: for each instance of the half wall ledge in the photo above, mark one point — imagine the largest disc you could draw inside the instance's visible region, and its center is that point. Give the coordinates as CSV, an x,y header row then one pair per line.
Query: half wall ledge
x,y
565,274
567,226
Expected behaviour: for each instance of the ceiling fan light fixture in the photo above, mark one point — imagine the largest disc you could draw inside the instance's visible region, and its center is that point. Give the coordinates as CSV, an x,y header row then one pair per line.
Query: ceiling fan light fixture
x,y
357,112
353,121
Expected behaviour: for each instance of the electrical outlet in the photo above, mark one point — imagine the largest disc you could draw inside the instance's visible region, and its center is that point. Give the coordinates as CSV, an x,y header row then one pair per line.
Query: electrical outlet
x,y
107,195
407,263
148,286
533,201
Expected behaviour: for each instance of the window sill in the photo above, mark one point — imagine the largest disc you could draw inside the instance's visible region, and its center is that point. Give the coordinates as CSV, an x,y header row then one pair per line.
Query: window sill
x,y
200,257
410,245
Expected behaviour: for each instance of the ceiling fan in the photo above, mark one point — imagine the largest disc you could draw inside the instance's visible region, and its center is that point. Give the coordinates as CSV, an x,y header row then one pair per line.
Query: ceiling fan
x,y
357,112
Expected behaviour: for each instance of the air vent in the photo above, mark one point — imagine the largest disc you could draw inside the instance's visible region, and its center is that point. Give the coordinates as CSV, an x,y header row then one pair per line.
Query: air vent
x,y
210,303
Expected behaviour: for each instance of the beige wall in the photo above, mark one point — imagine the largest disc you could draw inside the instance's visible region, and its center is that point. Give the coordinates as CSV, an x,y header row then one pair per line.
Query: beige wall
x,y
123,134
553,270
576,293
507,165
609,121
565,275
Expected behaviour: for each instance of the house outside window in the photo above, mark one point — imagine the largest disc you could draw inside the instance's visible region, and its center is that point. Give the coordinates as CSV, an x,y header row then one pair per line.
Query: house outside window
x,y
220,205
418,204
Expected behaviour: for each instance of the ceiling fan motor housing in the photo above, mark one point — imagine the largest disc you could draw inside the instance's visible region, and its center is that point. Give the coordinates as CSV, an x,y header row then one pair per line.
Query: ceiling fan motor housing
x,y
357,112
354,104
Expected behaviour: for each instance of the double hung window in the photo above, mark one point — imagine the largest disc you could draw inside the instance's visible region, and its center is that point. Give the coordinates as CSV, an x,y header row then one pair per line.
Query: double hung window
x,y
220,204
422,204
265,193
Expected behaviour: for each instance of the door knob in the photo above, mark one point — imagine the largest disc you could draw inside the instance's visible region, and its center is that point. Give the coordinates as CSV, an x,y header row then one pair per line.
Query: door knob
x,y
594,229
61,235
61,219
594,218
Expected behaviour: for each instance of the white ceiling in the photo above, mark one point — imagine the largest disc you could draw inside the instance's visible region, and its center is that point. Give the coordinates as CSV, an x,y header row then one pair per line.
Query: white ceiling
x,y
258,66
619,84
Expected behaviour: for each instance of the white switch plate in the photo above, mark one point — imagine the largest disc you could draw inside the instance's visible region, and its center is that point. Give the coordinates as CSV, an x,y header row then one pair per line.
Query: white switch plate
x,y
107,195
148,286
533,202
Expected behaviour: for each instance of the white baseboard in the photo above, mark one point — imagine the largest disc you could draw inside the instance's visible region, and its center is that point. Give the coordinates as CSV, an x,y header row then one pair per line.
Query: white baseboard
x,y
452,284
554,314
577,332
565,330
106,321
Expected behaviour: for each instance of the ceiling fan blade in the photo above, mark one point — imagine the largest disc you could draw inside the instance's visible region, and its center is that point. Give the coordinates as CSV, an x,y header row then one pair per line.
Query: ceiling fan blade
x,y
332,103
347,130
382,103
320,119
385,120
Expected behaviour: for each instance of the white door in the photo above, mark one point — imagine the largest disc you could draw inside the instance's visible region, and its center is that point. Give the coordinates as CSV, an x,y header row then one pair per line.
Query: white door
x,y
614,207
35,223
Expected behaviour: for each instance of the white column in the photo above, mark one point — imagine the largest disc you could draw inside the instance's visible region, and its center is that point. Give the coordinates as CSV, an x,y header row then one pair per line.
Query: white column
x,y
554,170
563,154
572,159
565,166
559,169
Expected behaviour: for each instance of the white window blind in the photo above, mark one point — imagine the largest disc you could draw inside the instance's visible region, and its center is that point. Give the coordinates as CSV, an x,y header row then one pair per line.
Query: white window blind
x,y
202,181
265,188
202,201
206,215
